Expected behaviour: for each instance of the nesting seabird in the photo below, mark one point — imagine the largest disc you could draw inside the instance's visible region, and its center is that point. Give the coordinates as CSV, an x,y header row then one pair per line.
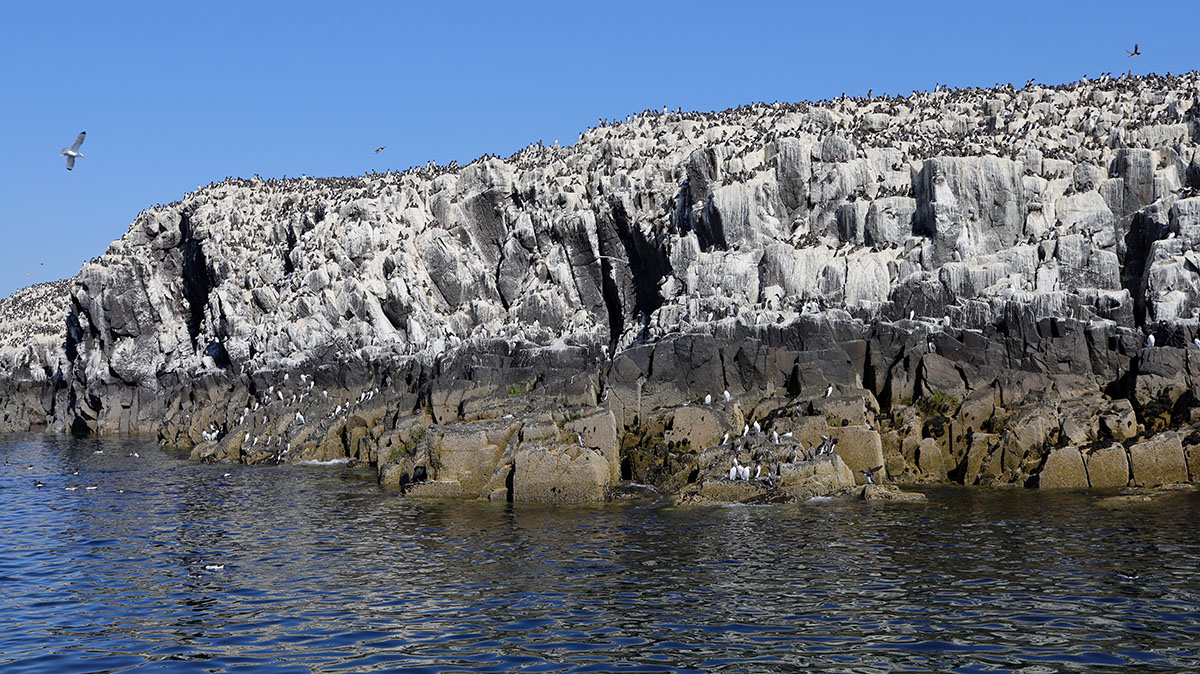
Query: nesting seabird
x,y
726,395
707,398
72,152
1150,340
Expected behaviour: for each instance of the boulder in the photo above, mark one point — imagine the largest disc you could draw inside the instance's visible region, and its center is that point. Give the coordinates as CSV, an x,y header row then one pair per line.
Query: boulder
x,y
1158,461
559,474
1064,469
1108,467
931,459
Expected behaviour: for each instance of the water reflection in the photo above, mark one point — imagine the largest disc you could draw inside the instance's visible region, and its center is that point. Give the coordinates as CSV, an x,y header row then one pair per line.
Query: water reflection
x,y
168,564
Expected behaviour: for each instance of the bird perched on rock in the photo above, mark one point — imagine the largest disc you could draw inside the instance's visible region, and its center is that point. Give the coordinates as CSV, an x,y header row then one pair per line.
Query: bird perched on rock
x,y
707,398
757,428
726,395
829,391
1196,341
72,152
1150,340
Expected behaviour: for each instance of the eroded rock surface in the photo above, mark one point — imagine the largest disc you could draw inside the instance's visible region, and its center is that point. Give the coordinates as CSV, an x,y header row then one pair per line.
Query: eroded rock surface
x,y
958,285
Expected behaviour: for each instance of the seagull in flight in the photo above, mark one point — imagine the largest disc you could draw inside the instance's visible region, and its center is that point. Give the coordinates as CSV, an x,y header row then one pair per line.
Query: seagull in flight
x,y
1135,51
72,152
379,149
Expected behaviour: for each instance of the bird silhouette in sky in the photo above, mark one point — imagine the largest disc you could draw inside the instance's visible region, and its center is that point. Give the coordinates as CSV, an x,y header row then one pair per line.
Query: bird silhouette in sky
x,y
1135,51
72,152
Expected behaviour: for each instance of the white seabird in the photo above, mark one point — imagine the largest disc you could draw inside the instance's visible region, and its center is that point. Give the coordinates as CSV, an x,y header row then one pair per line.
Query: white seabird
x,y
726,396
72,152
1196,341
757,428
707,398
1150,340
829,391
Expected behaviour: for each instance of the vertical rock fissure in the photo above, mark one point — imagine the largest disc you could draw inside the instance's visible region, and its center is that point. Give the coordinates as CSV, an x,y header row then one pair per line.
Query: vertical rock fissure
x,y
196,284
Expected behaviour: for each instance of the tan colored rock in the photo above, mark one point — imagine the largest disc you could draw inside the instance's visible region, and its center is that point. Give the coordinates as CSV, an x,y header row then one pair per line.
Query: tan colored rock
x,y
467,453
599,432
436,489
853,410
1191,455
860,447
698,425
1120,420
977,409
1158,461
881,492
559,474
731,491
931,460
1108,468
1064,469
981,447
827,469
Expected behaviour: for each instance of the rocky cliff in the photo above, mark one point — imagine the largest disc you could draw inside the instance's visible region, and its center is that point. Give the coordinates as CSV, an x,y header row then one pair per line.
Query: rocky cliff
x,y
955,285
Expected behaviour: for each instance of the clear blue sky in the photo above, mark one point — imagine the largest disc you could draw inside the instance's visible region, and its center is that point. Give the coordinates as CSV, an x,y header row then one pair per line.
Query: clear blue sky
x,y
174,95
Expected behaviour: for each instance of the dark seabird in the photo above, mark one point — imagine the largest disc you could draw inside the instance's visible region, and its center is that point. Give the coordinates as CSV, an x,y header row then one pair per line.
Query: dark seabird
x,y
1135,51
870,474
72,152
379,149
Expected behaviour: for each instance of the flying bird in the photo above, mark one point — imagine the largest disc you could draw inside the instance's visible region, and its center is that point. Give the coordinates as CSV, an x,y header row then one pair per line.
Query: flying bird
x,y
379,149
870,474
72,152
1135,51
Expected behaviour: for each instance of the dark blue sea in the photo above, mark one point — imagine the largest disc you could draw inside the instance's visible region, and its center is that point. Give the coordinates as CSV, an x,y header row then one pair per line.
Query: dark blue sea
x,y
130,559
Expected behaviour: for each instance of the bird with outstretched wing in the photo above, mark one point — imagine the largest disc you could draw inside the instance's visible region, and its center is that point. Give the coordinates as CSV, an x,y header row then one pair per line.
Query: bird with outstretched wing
x,y
72,152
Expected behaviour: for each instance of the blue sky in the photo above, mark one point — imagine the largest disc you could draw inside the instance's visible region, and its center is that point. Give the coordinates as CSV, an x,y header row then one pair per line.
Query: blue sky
x,y
175,95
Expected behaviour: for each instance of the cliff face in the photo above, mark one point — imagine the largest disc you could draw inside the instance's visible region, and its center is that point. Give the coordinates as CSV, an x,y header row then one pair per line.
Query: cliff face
x,y
954,255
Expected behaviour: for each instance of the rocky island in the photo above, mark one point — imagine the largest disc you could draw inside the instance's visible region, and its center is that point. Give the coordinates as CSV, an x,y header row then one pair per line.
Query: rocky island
x,y
984,286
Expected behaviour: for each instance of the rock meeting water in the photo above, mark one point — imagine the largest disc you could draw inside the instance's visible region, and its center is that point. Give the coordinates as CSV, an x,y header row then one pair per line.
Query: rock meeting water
x,y
123,563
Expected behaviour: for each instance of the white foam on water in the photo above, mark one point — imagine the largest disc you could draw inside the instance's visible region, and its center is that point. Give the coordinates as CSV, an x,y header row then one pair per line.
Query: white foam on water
x,y
331,462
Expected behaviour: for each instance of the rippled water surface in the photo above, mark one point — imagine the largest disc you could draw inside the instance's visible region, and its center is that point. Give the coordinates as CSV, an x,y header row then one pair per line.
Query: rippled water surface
x,y
171,566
